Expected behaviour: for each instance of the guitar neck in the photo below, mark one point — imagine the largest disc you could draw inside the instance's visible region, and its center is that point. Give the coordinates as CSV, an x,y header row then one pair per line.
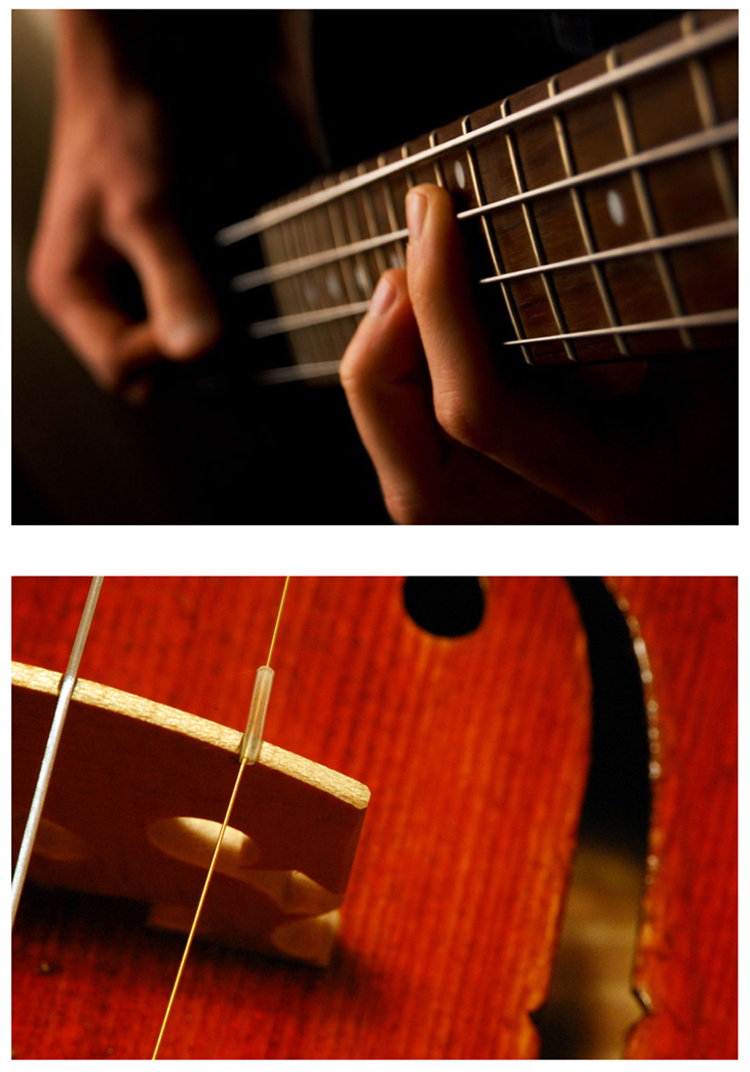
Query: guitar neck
x,y
599,206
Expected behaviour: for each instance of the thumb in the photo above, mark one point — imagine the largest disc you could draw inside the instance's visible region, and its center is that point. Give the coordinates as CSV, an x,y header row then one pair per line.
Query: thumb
x,y
181,308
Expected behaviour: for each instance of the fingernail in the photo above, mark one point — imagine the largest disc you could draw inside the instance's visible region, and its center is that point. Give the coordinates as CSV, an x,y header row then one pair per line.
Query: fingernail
x,y
383,298
188,336
416,210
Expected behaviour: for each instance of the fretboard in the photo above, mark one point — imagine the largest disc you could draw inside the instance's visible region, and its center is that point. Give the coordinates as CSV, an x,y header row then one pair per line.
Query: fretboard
x,y
599,207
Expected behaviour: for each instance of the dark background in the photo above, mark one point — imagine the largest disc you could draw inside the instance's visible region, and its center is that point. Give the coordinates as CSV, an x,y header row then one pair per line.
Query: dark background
x,y
210,447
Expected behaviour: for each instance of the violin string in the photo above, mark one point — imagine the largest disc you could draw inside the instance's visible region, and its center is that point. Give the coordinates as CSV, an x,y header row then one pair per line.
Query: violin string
x,y
199,909
278,619
243,763
67,684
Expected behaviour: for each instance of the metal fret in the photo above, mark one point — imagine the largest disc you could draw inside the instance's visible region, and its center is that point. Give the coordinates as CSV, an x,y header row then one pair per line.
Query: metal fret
x,y
341,239
643,197
372,226
329,338
671,150
390,208
709,118
491,241
583,222
712,232
291,373
437,163
720,318
690,143
536,243
330,368
295,292
708,38
362,275
329,315
297,321
408,174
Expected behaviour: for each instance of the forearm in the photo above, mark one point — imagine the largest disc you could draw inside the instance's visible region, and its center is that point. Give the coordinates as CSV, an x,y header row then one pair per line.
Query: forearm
x,y
89,61
107,201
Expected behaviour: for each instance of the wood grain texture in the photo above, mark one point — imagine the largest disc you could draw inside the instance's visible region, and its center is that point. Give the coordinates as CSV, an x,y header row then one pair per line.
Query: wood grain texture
x,y
475,750
663,198
130,772
687,960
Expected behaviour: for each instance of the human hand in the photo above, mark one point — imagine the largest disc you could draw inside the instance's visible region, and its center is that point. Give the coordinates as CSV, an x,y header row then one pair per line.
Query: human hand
x,y
106,200
453,442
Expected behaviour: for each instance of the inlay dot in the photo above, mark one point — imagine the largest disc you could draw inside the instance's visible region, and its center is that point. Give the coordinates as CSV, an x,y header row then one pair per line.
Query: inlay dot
x,y
616,207
333,286
362,279
394,259
458,171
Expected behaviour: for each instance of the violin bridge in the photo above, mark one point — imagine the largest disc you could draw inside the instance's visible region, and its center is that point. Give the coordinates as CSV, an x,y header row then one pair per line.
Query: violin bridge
x,y
136,802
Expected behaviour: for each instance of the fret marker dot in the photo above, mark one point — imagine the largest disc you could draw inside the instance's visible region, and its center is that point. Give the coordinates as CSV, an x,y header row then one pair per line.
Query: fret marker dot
x,y
333,286
362,279
616,207
458,171
394,259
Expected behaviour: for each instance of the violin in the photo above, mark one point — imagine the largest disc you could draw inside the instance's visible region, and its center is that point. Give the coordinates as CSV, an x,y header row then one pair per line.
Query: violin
x,y
475,748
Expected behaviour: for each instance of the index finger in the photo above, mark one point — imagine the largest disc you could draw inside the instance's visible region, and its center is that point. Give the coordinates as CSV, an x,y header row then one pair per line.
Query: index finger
x,y
110,345
538,438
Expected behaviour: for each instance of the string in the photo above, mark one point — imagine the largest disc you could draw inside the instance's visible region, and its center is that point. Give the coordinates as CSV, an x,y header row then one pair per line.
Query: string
x,y
710,233
214,858
67,684
710,138
708,38
719,318
680,147
278,619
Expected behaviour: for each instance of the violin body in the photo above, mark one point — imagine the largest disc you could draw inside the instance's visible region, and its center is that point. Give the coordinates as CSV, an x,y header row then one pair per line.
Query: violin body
x,y
475,749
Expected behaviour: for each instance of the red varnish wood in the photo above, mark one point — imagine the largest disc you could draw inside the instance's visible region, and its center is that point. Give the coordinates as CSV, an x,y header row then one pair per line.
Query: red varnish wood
x,y
475,750
687,962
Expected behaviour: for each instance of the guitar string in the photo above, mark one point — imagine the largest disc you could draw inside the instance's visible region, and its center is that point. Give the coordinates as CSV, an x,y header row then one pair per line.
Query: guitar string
x,y
707,139
726,132
720,318
67,685
709,38
711,232
298,321
680,240
319,370
680,147
245,760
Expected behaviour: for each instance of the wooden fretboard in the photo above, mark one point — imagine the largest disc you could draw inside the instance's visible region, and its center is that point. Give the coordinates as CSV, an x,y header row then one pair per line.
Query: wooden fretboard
x,y
600,209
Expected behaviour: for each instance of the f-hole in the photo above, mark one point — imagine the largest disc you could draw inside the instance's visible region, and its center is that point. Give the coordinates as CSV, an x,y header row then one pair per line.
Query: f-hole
x,y
445,606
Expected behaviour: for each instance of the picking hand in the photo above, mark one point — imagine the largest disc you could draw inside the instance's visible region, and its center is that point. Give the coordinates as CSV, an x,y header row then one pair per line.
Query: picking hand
x,y
107,200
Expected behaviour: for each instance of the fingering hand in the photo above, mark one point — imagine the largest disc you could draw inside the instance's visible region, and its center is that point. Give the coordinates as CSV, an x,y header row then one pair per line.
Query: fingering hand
x,y
453,442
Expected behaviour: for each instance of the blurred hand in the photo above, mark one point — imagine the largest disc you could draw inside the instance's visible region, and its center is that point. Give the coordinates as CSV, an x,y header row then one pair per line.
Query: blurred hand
x,y
106,200
452,442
